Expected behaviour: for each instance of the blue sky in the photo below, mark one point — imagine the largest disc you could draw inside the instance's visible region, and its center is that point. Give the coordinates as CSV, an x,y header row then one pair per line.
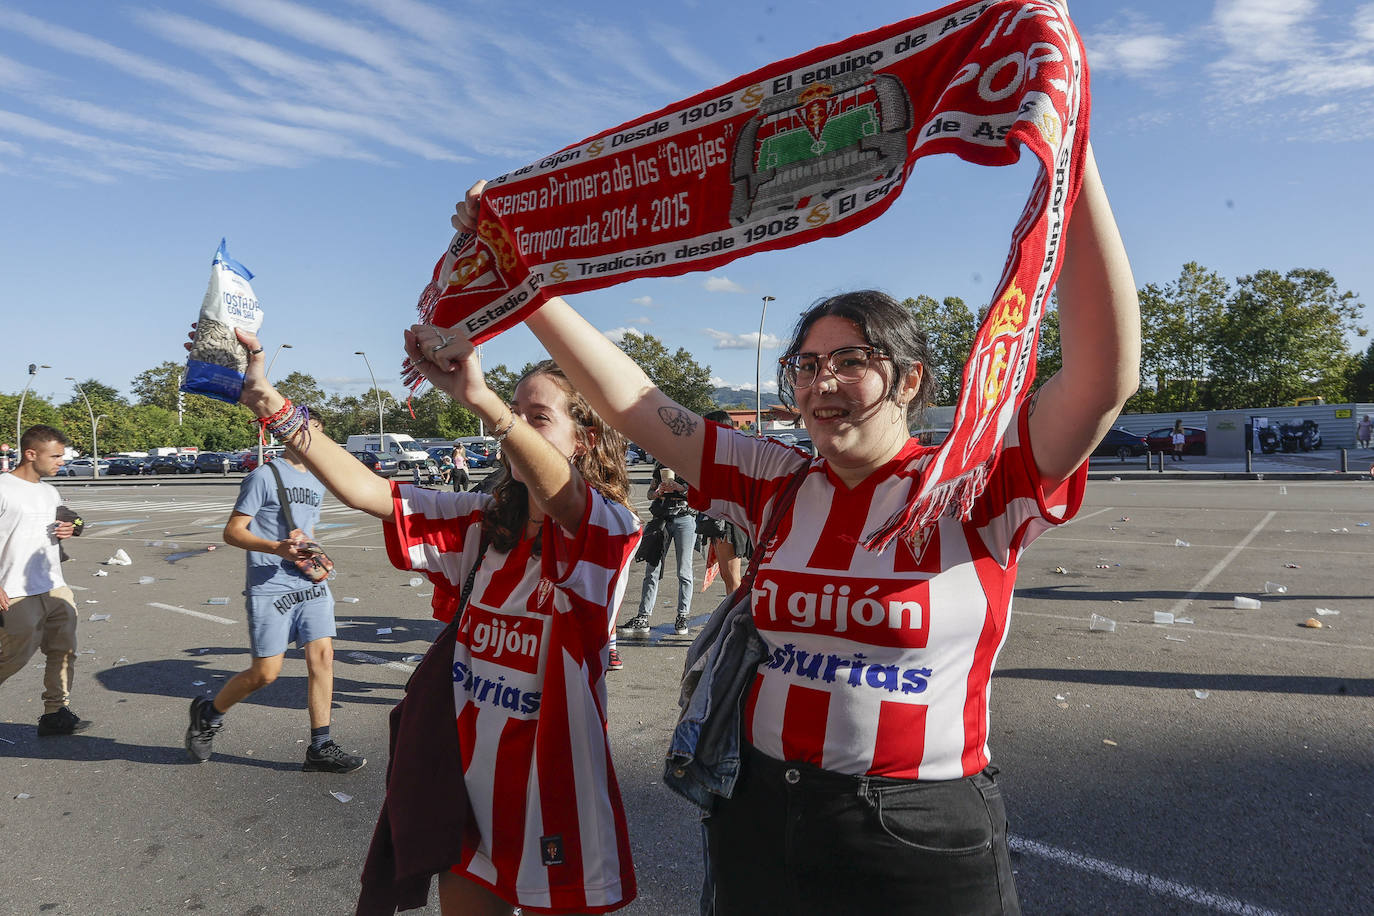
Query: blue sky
x,y
328,142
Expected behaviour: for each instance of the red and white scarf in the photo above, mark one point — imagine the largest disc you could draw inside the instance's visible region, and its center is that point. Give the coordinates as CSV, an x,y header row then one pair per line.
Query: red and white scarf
x,y
807,148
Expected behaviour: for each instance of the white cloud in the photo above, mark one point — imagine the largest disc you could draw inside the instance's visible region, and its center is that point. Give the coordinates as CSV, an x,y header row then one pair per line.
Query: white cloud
x,y
642,321
616,335
768,387
1297,61
1135,53
1265,30
645,301
724,340
721,285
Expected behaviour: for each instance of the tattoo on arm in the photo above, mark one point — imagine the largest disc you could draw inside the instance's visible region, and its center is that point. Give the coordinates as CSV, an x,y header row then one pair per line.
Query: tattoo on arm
x,y
1034,399
679,422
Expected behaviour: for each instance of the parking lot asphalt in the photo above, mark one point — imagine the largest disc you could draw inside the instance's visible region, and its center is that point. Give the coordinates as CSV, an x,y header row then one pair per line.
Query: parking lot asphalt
x,y
1220,765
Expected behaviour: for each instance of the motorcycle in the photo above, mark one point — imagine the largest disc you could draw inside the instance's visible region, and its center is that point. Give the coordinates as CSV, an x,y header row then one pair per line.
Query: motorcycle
x,y
1268,440
1304,436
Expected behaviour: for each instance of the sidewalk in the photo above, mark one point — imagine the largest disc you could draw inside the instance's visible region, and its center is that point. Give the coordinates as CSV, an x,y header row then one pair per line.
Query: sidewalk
x,y
1320,464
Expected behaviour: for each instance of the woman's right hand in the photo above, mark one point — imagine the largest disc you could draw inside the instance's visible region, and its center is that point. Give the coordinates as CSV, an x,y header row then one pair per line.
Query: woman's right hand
x,y
465,219
257,393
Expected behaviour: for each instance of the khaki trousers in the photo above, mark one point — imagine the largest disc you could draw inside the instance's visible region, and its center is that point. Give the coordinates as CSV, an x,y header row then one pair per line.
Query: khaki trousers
x,y
46,621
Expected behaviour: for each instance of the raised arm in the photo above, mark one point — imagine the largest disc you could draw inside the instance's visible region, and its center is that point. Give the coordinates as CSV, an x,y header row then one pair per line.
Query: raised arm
x,y
611,382
553,482
1099,336
345,476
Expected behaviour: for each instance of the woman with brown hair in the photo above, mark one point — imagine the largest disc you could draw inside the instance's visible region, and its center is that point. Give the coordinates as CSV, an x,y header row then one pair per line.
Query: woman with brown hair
x,y
536,571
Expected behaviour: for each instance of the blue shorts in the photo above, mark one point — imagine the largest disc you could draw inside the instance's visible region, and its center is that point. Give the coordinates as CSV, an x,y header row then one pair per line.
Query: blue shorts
x,y
275,620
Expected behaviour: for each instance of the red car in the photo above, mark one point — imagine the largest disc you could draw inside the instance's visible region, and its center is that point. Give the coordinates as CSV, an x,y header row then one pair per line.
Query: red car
x,y
248,461
1194,440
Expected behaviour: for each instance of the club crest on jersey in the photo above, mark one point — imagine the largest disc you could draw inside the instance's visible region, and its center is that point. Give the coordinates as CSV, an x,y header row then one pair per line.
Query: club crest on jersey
x,y
918,540
542,592
551,849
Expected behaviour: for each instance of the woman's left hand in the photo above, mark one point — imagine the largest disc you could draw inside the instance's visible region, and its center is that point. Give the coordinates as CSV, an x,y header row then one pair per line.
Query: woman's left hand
x,y
447,361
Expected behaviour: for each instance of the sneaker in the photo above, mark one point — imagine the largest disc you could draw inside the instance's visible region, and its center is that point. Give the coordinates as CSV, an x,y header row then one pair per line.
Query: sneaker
x,y
331,758
614,663
635,626
62,722
200,734
680,625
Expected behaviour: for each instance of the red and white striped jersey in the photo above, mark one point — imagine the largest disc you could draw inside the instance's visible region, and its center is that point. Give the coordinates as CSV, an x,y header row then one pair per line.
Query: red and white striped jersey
x,y
530,693
878,663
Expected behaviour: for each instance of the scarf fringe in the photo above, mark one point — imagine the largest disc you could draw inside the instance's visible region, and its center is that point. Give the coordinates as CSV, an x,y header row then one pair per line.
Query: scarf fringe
x,y
958,493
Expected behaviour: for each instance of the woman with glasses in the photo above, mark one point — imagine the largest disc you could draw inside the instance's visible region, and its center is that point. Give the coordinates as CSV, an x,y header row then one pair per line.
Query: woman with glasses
x,y
865,783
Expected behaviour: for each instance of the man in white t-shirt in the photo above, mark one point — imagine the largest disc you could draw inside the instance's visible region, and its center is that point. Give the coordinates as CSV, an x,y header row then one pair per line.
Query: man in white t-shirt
x,y
37,609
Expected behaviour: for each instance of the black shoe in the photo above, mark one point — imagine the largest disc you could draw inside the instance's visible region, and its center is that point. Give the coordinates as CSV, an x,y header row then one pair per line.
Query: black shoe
x,y
680,625
62,722
636,626
200,734
331,758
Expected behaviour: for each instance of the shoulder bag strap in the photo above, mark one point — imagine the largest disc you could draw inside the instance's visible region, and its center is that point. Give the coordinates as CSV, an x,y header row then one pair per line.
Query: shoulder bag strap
x,y
770,527
281,498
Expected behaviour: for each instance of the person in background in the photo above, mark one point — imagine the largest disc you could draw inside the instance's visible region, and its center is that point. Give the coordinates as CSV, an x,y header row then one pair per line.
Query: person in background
x,y
37,608
1177,438
282,604
731,545
458,469
1363,430
669,504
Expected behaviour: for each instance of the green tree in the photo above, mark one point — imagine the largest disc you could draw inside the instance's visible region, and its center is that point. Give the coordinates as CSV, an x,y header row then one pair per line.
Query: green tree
x,y
502,381
159,385
679,376
1283,337
301,389
1180,332
1361,384
1048,356
950,328
37,409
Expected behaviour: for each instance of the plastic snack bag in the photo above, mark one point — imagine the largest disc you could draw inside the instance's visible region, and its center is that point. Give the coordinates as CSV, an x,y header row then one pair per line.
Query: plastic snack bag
x,y
217,362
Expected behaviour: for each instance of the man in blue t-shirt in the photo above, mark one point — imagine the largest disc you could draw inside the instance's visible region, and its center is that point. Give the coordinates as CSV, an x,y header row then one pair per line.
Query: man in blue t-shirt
x,y
283,604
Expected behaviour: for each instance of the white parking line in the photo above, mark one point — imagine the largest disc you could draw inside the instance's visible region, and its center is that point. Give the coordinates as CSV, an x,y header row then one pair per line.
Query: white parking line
x,y
374,660
1161,886
1203,631
1221,564
190,613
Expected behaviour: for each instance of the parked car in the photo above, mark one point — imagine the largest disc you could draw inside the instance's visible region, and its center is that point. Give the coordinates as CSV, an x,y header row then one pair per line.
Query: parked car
x,y
82,467
1194,440
248,461
173,464
930,435
1122,444
134,467
383,467
210,463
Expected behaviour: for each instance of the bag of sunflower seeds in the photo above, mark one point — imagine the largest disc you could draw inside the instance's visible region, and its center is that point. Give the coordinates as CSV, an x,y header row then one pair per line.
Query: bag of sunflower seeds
x,y
217,362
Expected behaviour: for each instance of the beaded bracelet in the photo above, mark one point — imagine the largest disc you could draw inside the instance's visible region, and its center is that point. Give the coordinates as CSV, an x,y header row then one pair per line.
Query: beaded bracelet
x,y
287,422
500,434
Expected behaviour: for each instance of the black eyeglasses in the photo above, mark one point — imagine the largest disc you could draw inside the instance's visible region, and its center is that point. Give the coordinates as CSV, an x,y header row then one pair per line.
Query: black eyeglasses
x,y
847,364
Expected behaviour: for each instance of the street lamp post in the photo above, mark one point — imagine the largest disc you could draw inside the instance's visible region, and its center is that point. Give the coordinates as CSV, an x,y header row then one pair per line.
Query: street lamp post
x,y
758,371
273,361
19,421
95,445
270,364
375,391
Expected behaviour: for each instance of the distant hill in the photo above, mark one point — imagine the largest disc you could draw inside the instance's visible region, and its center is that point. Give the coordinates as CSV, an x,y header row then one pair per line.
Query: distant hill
x,y
730,397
